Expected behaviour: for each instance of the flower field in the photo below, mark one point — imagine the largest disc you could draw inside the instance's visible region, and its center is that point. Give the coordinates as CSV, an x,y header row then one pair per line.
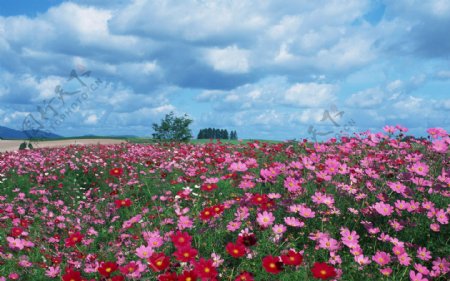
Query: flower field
x,y
371,207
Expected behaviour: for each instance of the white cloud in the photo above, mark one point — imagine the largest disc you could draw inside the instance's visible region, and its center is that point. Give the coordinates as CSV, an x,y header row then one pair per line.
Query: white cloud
x,y
229,60
367,99
310,94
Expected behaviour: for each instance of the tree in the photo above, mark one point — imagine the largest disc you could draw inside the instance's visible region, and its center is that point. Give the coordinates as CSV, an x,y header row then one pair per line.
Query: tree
x,y
173,128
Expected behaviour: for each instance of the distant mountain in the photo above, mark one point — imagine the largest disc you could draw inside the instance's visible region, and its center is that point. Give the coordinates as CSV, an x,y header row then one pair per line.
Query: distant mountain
x,y
8,133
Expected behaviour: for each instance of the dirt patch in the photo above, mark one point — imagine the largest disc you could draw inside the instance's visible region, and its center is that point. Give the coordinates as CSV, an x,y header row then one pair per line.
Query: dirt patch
x,y
12,145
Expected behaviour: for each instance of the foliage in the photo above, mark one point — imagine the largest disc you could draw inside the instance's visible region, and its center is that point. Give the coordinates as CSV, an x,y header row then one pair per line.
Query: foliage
x,y
212,133
173,128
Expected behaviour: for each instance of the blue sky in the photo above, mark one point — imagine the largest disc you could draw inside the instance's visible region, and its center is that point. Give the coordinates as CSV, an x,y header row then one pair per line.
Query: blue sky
x,y
268,69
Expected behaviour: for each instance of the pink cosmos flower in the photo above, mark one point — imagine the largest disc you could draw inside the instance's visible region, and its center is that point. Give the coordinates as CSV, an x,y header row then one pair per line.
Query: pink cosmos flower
x,y
294,222
306,212
349,239
144,252
233,225
238,167
440,146
404,259
442,217
435,227
381,258
383,209
329,243
386,271
292,185
184,222
416,277
52,271
155,242
279,229
423,254
362,260
420,168
436,132
441,265
421,269
246,184
398,250
265,219
15,243
397,187
401,204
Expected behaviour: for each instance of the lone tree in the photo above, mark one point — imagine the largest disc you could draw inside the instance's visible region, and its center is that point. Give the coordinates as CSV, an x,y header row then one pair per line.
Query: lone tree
x,y
173,128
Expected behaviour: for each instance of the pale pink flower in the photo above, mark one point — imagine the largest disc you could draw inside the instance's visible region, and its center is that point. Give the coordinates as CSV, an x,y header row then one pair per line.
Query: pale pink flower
x,y
265,219
144,252
362,260
184,222
52,271
279,229
329,243
155,242
383,209
306,212
16,243
294,222
238,167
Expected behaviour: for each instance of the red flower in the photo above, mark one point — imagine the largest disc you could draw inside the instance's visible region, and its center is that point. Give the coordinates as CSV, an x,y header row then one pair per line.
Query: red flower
x,y
168,276
73,239
292,258
208,186
247,239
129,268
323,271
16,231
116,172
158,261
181,239
218,209
106,268
205,269
272,264
118,278
185,254
206,214
245,276
187,276
236,250
72,275
123,203
259,199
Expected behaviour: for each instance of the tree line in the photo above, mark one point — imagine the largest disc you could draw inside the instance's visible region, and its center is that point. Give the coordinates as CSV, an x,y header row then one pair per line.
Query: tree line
x,y
213,133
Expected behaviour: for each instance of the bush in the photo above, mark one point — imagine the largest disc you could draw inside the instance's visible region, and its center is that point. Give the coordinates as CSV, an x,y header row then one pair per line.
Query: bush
x,y
23,146
173,128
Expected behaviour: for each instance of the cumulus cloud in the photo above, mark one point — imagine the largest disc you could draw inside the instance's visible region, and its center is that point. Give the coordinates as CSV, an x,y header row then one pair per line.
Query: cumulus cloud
x,y
270,66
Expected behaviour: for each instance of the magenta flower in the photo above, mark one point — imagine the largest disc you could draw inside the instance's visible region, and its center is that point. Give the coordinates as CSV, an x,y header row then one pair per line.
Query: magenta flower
x,y
381,258
423,254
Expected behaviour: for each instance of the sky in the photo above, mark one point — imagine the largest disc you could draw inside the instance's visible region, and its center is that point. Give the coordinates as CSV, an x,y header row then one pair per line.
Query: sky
x,y
268,69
